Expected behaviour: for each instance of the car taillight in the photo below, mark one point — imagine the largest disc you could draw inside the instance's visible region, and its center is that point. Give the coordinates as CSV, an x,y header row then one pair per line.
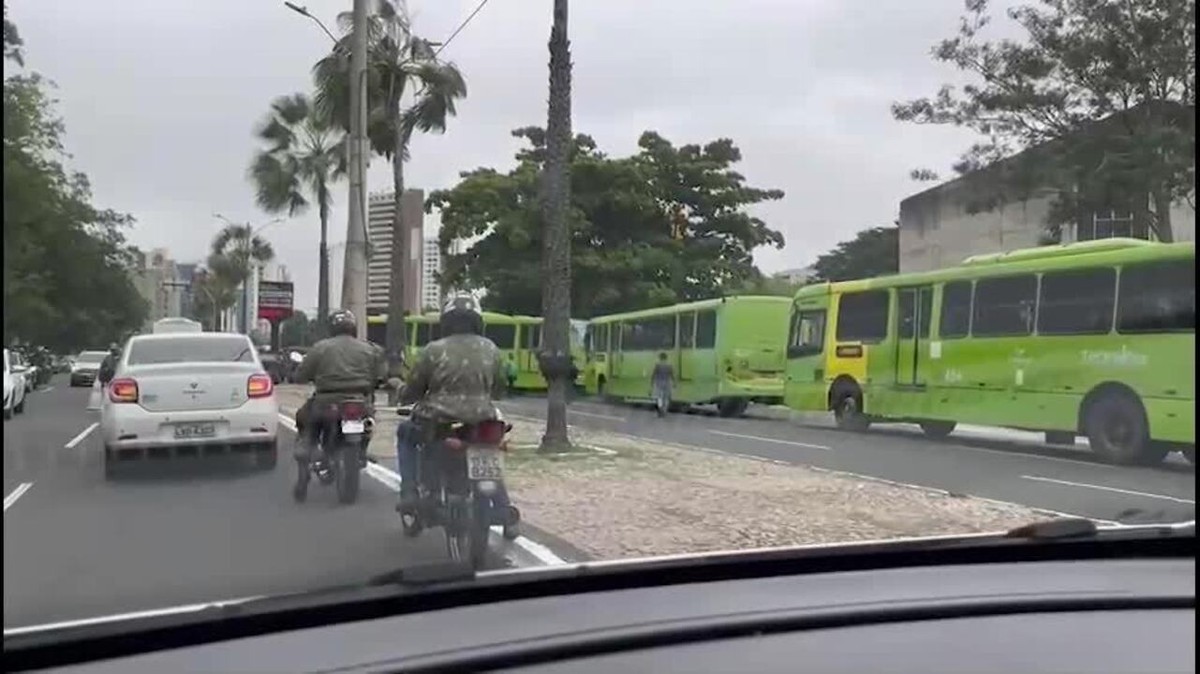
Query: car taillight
x,y
488,432
353,411
123,391
259,386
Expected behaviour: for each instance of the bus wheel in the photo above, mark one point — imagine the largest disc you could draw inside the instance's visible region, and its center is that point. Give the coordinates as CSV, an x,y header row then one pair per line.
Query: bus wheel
x,y
1189,453
1116,427
938,429
847,410
732,407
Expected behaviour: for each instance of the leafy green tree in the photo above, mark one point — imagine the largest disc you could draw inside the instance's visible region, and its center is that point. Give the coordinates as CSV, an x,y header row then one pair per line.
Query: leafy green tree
x,y
296,330
666,225
236,250
398,63
67,267
872,252
1095,108
304,153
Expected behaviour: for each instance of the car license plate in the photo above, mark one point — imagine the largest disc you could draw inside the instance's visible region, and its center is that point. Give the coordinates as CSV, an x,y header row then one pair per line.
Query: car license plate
x,y
191,431
485,464
355,427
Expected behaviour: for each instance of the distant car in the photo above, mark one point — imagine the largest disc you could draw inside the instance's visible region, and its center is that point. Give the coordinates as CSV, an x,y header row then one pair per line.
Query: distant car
x,y
85,367
14,386
189,394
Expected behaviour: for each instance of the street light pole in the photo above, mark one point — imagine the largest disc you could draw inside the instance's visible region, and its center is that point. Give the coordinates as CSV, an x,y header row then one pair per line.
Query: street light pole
x,y
354,271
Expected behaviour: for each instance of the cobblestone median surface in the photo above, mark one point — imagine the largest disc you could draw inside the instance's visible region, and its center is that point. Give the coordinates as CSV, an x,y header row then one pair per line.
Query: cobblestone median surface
x,y
621,496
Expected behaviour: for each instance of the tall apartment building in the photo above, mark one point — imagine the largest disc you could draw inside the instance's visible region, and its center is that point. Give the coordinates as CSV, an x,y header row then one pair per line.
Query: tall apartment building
x,y
431,289
158,282
380,214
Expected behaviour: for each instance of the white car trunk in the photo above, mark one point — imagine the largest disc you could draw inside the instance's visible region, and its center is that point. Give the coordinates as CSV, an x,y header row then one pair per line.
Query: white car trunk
x,y
191,386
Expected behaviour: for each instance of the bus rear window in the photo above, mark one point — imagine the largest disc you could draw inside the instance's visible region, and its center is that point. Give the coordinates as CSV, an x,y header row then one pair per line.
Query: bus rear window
x,y
1158,297
863,317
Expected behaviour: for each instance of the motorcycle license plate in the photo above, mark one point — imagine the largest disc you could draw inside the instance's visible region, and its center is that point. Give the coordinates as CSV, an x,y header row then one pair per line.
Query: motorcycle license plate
x,y
485,464
355,427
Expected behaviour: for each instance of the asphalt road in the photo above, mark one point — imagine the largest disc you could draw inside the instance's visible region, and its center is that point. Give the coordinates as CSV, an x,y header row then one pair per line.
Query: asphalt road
x,y
76,546
989,463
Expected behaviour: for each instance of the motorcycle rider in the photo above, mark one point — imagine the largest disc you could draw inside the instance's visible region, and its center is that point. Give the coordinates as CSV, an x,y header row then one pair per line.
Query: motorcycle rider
x,y
454,378
340,366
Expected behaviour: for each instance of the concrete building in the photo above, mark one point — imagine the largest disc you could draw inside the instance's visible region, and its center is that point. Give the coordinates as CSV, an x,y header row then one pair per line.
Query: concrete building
x,y
431,289
380,216
159,282
941,226
795,276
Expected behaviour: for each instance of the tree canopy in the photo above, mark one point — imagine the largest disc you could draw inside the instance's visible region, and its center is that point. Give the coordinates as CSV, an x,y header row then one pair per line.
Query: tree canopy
x,y
1095,107
667,224
67,267
872,252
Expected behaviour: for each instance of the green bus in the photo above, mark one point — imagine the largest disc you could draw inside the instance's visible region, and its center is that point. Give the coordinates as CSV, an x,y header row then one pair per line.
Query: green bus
x,y
728,352
517,337
1094,339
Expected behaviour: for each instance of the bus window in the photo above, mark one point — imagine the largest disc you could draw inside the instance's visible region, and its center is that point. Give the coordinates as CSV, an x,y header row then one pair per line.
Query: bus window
x,y
687,330
706,329
533,336
502,334
807,334
863,317
651,334
1004,306
1077,302
602,332
956,310
1158,297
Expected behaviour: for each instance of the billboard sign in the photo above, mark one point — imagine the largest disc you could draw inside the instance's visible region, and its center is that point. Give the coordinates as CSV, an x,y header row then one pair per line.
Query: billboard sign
x,y
275,300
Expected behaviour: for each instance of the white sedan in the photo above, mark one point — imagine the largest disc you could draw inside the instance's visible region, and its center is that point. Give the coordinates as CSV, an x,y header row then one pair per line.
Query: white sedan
x,y
14,386
189,394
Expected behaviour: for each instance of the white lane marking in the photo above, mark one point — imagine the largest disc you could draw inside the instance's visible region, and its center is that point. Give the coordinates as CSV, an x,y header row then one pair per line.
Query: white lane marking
x,y
391,480
45,389
596,415
152,613
1085,485
16,494
82,434
773,440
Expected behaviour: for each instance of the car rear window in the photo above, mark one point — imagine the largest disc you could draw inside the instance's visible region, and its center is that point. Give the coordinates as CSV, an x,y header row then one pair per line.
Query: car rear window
x,y
191,350
92,356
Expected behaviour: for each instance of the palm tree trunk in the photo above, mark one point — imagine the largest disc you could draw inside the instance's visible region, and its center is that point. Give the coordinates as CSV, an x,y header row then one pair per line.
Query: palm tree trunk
x,y
394,339
555,358
323,272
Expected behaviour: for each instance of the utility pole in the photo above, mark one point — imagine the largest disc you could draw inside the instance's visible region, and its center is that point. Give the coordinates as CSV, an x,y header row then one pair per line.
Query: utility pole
x,y
354,273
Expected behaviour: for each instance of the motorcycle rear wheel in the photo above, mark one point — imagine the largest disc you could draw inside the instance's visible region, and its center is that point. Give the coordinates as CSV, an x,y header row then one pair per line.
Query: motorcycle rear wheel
x,y
347,466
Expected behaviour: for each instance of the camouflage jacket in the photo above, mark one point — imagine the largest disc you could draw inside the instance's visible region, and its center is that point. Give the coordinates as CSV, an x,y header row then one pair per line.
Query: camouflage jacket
x,y
343,364
456,378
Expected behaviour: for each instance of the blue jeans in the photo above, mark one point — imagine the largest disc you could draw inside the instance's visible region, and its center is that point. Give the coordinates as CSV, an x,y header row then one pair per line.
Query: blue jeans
x,y
408,456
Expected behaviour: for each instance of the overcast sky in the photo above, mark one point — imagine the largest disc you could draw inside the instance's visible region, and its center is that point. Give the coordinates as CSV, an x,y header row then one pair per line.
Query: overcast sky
x,y
160,98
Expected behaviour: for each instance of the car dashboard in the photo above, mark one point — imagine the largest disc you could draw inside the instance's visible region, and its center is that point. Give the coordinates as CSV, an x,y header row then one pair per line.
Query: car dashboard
x,y
1116,614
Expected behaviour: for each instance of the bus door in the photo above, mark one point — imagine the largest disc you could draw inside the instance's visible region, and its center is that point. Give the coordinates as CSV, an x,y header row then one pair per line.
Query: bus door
x,y
914,309
532,341
684,354
806,373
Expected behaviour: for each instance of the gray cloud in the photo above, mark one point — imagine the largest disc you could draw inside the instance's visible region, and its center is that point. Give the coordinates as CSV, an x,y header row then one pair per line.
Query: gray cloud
x,y
160,99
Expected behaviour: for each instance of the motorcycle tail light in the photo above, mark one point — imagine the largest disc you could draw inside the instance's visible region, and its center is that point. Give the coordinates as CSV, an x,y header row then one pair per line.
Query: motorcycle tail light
x,y
488,433
453,444
353,411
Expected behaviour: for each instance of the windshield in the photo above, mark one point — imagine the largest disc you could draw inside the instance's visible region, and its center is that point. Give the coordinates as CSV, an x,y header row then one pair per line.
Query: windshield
x,y
208,349
744,274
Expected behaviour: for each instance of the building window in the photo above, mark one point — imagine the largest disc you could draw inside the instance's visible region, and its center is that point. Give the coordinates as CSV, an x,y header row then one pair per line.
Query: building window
x,y
1109,224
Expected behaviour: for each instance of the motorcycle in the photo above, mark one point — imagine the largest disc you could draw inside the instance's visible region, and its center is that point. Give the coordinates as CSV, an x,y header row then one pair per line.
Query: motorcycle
x,y
343,434
460,472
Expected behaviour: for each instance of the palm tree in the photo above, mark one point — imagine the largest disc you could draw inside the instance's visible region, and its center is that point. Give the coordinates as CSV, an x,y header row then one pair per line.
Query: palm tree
x,y
304,152
398,62
556,238
235,251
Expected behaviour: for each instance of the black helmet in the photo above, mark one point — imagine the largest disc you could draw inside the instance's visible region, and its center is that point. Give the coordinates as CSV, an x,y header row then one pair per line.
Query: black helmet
x,y
342,322
462,315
